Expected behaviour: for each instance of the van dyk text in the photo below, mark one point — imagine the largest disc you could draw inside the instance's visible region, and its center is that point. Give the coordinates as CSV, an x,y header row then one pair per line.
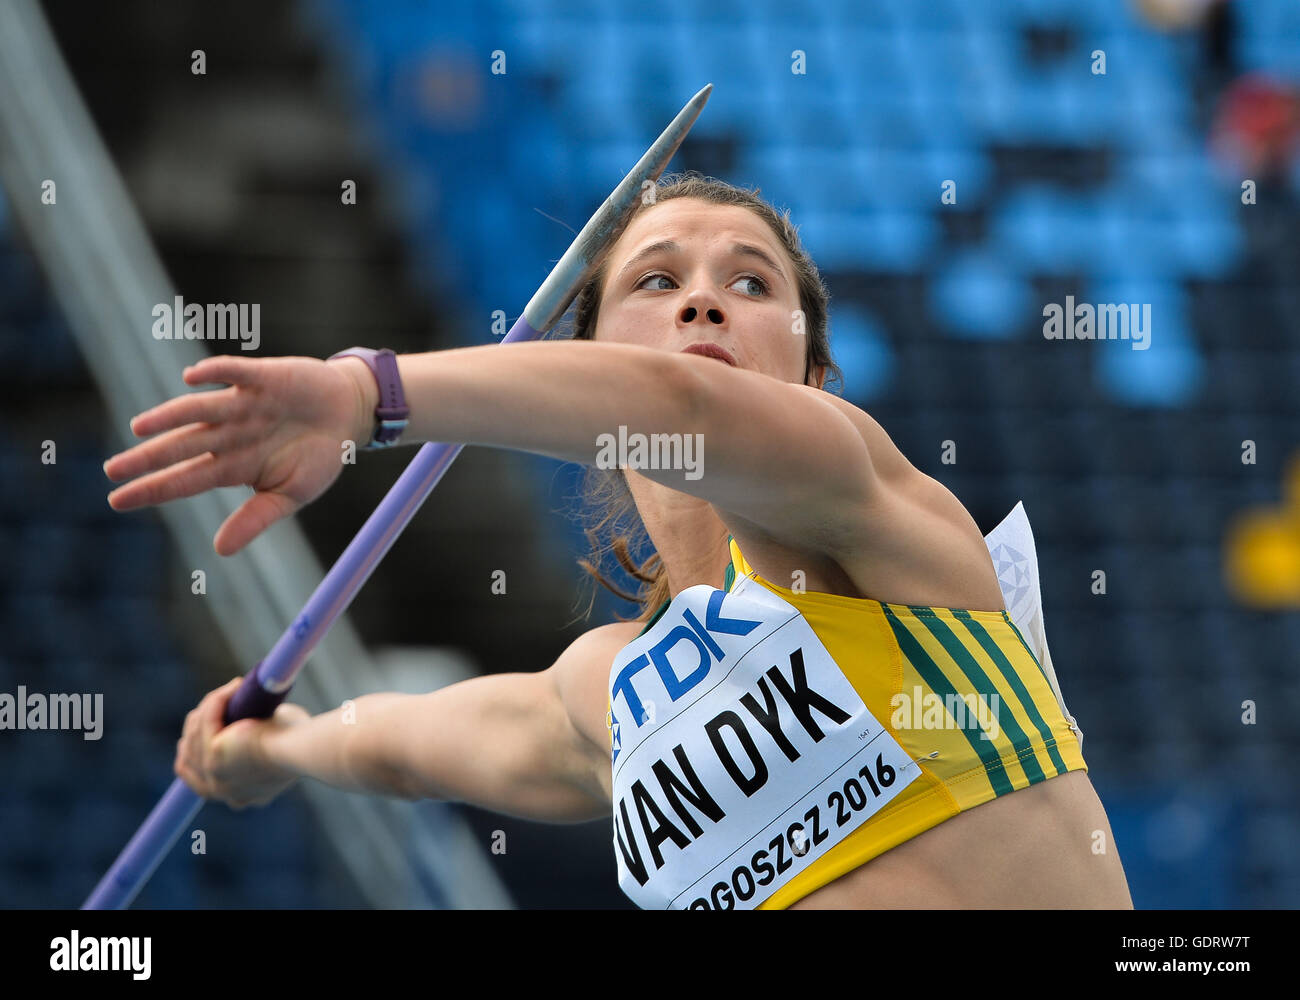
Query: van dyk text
x,y
682,785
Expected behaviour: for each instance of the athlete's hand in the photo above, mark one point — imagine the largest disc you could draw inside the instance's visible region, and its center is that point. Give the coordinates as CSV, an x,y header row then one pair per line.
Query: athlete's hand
x,y
278,428
230,763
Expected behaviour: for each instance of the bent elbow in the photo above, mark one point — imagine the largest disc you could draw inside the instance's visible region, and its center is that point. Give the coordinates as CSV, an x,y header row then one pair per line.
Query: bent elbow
x,y
691,393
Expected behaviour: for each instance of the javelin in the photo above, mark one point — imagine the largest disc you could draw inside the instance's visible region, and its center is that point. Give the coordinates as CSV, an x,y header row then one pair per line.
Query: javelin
x,y
268,683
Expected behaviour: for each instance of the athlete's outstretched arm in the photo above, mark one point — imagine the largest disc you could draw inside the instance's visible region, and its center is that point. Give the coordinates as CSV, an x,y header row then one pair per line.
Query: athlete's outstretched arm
x,y
525,744
782,456
794,462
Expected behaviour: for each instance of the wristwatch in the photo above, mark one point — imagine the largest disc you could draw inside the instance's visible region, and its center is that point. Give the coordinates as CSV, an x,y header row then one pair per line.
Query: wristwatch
x,y
392,413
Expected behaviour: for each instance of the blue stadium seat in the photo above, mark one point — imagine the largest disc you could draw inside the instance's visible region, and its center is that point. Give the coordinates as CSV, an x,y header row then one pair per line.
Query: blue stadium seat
x,y
869,58
986,15
968,167
1018,14
1207,247
977,296
1276,55
909,178
943,122
1169,372
1037,229
1084,109
1269,19
860,345
597,90
886,241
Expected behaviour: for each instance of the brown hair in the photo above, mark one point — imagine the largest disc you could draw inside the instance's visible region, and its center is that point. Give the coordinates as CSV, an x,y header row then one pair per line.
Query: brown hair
x,y
613,522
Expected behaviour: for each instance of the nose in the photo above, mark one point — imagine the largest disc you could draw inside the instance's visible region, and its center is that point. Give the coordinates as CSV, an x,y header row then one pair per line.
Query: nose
x,y
701,300
714,315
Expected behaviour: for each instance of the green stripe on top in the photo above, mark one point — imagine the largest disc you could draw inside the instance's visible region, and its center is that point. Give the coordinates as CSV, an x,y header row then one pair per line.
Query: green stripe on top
x,y
729,577
934,677
654,618
1013,678
1028,650
962,657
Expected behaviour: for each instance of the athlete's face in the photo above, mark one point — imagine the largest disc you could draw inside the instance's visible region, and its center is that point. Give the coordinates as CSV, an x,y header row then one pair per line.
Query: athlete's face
x,y
726,281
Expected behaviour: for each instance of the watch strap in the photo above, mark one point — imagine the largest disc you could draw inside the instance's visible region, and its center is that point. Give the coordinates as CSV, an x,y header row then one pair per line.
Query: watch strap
x,y
392,413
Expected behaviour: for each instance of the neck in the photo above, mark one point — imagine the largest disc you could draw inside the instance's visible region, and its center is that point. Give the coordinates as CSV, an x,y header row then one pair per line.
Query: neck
x,y
686,532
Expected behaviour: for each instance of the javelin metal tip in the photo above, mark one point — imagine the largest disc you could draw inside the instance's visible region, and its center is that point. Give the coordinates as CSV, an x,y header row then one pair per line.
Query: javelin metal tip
x,y
579,261
696,104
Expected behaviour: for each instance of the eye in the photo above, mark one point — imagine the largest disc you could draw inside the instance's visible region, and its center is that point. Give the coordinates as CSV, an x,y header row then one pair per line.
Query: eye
x,y
654,275
762,285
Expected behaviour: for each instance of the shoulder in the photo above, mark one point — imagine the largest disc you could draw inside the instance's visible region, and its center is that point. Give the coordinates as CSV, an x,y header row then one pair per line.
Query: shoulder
x,y
909,540
889,464
892,487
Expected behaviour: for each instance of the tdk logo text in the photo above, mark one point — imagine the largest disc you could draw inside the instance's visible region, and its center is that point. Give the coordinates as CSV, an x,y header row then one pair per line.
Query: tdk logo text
x,y
696,635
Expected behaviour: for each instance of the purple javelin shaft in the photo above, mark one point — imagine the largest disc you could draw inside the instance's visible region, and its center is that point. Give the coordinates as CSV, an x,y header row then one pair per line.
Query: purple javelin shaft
x,y
267,684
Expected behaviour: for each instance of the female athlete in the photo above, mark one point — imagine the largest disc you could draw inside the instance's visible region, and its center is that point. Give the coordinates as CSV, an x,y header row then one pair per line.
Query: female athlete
x,y
876,734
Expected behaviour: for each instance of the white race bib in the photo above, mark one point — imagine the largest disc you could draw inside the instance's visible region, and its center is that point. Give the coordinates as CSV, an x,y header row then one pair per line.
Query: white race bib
x,y
741,752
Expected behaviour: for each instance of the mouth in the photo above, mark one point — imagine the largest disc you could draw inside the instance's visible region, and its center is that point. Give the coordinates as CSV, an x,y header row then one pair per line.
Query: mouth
x,y
711,351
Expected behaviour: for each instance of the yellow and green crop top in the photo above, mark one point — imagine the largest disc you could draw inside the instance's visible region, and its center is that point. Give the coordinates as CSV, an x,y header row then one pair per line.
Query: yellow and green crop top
x,y
765,741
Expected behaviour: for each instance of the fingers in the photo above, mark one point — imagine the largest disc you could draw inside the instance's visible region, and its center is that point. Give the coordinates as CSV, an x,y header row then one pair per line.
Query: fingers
x,y
228,368
167,449
194,764
190,764
212,710
254,516
195,407
194,475
186,759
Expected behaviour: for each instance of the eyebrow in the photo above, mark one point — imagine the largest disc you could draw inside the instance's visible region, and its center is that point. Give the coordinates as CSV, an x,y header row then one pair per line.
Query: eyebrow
x,y
670,247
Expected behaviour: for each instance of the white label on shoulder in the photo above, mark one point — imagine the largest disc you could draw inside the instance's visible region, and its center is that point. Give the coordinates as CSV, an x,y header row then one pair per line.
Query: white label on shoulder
x,y
741,755
1011,547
